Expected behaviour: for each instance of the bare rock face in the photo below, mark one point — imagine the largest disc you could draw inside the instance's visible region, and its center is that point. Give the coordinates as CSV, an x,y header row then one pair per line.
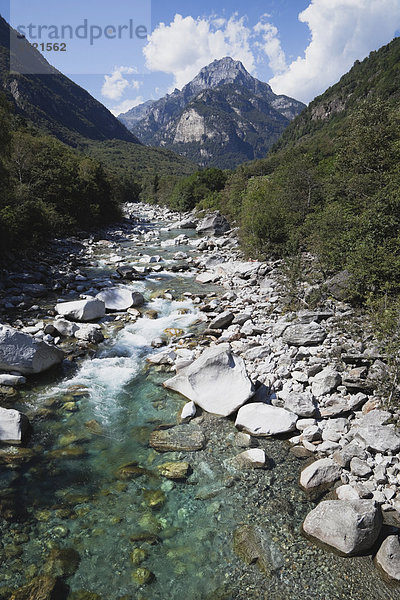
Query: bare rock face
x,y
387,558
24,353
217,381
214,224
348,526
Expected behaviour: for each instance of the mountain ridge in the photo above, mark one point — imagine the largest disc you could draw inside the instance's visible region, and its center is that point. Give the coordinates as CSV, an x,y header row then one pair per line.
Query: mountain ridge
x,y
249,118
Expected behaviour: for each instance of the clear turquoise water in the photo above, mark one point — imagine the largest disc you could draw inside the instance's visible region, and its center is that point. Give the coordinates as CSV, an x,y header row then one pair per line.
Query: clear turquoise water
x,y
71,495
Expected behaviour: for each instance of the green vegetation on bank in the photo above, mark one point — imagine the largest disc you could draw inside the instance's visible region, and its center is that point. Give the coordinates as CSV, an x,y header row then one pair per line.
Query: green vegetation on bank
x,y
47,189
332,184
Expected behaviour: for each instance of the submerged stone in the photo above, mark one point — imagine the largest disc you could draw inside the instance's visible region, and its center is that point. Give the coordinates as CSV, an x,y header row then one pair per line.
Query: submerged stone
x,y
62,562
142,576
184,438
253,545
44,587
131,471
154,498
138,556
174,470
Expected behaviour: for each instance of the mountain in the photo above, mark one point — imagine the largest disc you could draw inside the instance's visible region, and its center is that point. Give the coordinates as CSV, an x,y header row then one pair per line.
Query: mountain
x,y
376,77
222,118
50,100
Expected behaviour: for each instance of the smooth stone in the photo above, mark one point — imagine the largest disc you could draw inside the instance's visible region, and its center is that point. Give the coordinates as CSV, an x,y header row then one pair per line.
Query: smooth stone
x,y
120,299
320,473
349,526
343,456
388,558
263,420
12,380
222,320
142,576
339,405
188,411
25,354
89,309
249,459
217,381
206,277
13,425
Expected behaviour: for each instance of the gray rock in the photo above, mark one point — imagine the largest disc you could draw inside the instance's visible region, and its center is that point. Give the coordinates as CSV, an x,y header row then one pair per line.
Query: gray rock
x,y
300,404
217,381
388,557
325,382
214,224
120,299
25,354
264,420
11,380
82,310
310,334
380,438
249,459
346,492
90,333
255,546
339,405
343,456
179,438
349,526
13,425
339,285
320,473
206,277
360,468
65,328
223,320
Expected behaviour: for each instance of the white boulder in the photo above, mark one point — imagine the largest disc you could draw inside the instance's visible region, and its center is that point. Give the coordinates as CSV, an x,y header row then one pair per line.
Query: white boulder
x,y
11,380
89,309
388,558
320,473
13,425
217,381
263,420
117,298
349,526
24,353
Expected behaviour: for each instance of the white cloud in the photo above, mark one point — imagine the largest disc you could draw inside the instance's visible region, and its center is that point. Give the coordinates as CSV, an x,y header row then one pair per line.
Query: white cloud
x,y
271,46
186,45
126,105
342,31
115,84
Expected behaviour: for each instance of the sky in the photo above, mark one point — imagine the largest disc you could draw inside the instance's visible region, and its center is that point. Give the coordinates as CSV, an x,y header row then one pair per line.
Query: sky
x,y
129,51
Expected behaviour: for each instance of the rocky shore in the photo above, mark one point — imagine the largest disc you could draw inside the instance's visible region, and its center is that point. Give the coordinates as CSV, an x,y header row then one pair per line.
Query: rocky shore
x,y
310,375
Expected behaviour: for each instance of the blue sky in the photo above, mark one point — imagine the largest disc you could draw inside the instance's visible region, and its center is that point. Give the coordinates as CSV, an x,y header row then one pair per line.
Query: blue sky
x,y
299,46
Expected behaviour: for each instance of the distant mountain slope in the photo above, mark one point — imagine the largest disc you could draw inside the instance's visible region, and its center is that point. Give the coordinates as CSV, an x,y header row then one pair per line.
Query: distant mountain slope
x,y
222,118
53,102
377,76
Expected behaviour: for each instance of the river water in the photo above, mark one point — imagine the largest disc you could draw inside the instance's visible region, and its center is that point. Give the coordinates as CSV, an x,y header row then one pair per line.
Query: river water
x,y
70,492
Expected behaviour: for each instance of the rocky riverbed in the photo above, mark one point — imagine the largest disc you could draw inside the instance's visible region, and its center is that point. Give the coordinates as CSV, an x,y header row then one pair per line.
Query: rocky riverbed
x,y
173,423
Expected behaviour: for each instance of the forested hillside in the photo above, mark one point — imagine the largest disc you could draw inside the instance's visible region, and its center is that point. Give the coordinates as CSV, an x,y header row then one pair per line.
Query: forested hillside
x,y
331,185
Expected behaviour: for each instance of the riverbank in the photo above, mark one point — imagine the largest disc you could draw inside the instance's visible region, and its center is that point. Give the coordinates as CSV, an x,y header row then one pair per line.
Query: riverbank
x,y
319,367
